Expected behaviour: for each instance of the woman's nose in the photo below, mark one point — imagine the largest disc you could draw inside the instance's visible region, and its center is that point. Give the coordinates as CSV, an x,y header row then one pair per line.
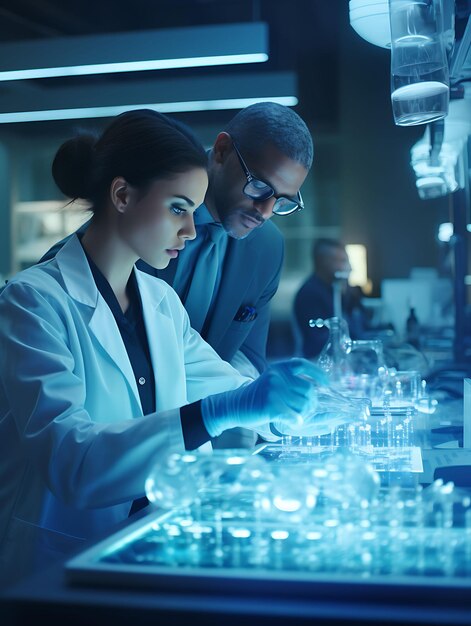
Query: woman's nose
x,y
189,230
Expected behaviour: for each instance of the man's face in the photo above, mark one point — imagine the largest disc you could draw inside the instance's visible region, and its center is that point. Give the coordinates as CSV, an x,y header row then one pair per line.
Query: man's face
x,y
239,214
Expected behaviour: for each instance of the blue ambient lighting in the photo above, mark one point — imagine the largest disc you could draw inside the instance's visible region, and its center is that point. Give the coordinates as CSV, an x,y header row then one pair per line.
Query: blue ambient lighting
x,y
163,107
132,66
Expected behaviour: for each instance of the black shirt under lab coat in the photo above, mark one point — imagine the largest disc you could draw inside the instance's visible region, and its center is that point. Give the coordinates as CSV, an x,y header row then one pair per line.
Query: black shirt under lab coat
x,y
133,333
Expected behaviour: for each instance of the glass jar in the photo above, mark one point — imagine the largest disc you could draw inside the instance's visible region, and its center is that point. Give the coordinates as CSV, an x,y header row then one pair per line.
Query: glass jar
x,y
420,88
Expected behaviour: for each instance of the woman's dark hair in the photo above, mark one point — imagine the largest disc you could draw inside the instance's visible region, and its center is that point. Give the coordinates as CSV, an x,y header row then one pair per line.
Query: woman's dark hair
x,y
141,146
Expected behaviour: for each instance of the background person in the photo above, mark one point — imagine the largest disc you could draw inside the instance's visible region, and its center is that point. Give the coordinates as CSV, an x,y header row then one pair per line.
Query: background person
x,y
315,298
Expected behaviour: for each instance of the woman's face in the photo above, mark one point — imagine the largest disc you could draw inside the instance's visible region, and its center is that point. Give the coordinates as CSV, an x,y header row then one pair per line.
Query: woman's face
x,y
157,225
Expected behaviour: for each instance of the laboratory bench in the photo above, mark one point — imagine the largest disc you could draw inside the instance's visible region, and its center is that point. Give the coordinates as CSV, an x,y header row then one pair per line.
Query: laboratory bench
x,y
89,589
48,598
182,581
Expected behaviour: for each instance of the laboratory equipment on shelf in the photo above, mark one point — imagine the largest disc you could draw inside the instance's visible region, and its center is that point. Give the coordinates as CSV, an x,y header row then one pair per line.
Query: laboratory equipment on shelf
x,y
247,517
420,87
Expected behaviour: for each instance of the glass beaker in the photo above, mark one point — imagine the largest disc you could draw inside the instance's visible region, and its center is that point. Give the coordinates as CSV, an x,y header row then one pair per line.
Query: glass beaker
x,y
403,387
420,89
332,358
368,372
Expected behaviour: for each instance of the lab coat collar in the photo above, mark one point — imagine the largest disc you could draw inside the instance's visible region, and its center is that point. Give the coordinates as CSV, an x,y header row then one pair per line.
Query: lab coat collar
x,y
76,272
80,284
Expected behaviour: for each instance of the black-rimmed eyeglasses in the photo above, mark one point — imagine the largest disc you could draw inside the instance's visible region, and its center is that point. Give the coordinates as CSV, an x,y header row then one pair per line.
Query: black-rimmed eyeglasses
x,y
258,190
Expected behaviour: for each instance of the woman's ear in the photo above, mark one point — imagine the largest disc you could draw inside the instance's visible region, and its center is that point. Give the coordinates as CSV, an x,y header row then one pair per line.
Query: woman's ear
x,y
222,147
120,194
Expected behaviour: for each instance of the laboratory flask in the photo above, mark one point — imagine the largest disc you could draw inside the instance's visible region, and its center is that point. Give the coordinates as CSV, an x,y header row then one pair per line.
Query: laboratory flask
x,y
333,357
420,90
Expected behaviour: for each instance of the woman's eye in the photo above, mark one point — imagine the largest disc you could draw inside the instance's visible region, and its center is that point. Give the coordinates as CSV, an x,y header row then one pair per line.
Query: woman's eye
x,y
178,210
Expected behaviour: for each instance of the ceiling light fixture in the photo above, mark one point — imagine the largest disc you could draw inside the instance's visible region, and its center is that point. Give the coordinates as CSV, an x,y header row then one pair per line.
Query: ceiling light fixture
x,y
30,102
170,48
162,107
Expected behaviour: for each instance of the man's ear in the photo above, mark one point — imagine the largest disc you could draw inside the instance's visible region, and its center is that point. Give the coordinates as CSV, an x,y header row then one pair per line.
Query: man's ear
x,y
222,147
120,194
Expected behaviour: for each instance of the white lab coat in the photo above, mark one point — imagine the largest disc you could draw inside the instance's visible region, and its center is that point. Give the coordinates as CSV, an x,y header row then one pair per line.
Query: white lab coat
x,y
75,448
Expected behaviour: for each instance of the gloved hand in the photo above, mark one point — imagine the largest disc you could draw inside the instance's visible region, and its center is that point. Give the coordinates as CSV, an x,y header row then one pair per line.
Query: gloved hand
x,y
282,395
315,425
333,409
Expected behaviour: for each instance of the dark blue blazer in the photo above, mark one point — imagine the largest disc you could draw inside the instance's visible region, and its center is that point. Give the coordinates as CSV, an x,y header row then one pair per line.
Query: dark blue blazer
x,y
250,277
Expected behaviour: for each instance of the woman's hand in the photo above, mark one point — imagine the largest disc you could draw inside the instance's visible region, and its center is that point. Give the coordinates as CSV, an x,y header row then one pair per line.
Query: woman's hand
x,y
284,395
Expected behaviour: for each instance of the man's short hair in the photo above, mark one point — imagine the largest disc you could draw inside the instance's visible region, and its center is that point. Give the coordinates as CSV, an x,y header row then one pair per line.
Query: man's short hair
x,y
269,122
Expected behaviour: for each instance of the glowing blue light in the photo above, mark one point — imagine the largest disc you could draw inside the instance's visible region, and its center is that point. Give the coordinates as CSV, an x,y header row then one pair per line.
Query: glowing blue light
x,y
445,232
163,107
133,66
280,534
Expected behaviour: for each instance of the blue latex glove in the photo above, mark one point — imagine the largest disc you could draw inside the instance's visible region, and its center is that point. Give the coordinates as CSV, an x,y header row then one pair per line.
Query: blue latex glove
x,y
333,409
282,395
315,425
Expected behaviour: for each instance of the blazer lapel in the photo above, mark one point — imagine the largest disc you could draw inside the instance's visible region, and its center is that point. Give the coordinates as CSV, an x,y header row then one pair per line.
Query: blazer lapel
x,y
236,278
81,287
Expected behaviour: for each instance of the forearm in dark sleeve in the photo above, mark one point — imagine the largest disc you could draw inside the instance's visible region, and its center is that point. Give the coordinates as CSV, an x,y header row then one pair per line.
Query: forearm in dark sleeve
x,y
194,430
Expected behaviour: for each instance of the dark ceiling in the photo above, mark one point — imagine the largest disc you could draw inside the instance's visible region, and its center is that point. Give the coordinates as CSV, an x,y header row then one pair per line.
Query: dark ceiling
x,y
27,19
304,35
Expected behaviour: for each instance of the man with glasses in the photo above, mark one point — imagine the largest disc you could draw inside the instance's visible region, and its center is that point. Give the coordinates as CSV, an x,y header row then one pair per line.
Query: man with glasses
x,y
256,168
228,274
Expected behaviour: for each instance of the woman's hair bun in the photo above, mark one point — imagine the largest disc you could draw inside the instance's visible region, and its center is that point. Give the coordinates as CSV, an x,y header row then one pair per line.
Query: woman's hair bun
x,y
73,165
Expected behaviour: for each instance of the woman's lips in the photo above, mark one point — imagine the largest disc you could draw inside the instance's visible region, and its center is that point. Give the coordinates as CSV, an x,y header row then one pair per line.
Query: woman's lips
x,y
172,253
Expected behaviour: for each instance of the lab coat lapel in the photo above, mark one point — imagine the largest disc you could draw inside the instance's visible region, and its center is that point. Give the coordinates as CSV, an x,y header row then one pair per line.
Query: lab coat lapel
x,y
237,276
81,287
103,326
163,344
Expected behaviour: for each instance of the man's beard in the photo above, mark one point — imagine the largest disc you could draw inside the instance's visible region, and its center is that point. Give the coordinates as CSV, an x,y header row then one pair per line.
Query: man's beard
x,y
234,228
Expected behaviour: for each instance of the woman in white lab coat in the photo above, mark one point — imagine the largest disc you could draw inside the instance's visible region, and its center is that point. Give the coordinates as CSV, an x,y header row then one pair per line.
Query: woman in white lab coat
x,y
80,426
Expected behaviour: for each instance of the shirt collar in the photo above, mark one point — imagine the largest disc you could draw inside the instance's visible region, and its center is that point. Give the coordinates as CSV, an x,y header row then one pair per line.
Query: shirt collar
x,y
203,216
109,296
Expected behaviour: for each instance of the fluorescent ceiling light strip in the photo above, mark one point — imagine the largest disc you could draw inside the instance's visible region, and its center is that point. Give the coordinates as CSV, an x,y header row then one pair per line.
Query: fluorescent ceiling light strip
x,y
164,107
133,66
